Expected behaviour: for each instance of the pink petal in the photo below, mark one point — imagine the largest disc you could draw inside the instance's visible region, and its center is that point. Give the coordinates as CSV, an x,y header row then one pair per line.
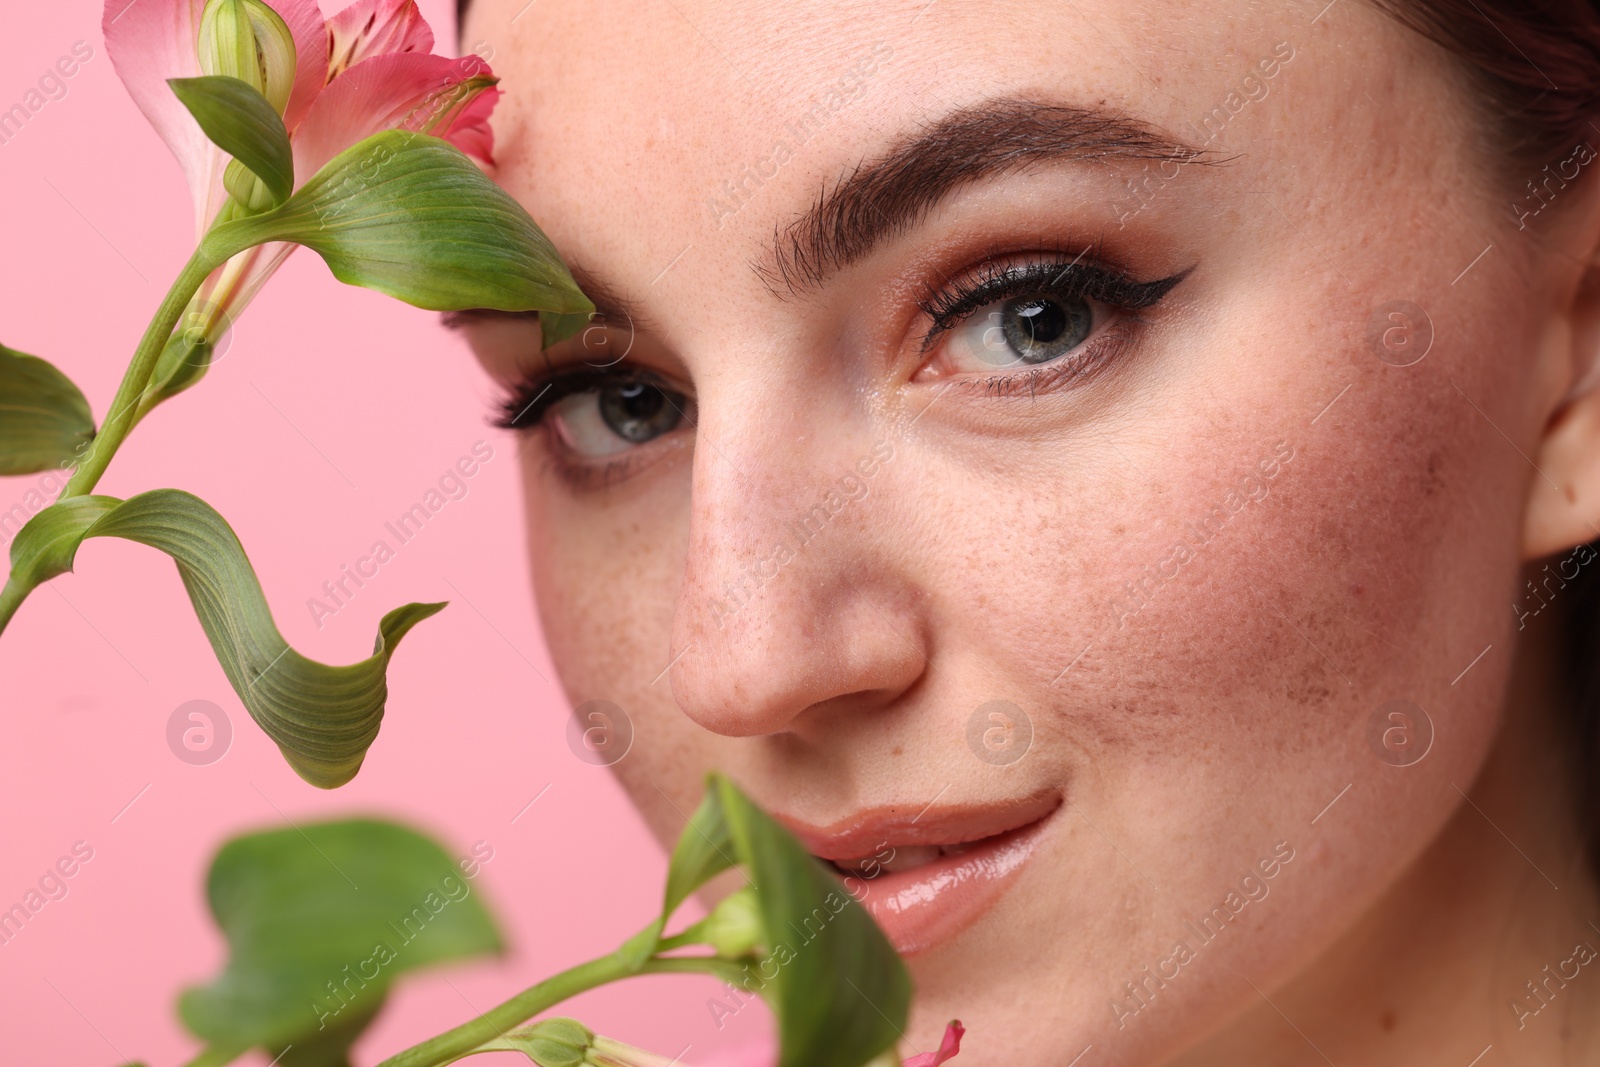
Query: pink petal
x,y
947,1049
150,41
234,284
470,131
374,27
310,32
399,90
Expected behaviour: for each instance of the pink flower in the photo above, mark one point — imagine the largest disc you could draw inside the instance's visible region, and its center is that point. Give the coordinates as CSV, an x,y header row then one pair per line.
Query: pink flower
x,y
947,1048
335,81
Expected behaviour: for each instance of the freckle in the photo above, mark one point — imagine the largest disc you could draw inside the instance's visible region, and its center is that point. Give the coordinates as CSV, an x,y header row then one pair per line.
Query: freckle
x,y
1386,1020
1572,497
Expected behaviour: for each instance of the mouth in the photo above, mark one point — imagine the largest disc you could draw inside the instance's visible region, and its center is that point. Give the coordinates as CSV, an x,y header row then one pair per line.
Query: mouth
x,y
926,876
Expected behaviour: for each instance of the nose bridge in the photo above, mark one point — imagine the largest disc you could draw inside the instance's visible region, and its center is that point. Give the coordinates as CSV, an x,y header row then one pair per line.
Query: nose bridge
x,y
788,591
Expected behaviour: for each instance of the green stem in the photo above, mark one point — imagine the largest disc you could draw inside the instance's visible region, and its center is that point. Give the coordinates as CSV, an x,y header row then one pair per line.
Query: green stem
x,y
454,1044
125,404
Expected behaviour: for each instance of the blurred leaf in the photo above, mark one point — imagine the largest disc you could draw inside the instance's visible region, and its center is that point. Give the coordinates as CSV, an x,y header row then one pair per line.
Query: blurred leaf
x,y
44,419
411,216
320,919
241,122
323,718
837,986
557,328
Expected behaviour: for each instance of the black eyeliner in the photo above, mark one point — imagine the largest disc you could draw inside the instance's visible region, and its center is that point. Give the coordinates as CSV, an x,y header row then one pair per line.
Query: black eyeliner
x,y
524,404
1054,277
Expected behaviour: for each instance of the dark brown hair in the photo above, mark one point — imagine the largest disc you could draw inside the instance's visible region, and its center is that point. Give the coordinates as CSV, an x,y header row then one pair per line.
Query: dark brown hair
x,y
1534,66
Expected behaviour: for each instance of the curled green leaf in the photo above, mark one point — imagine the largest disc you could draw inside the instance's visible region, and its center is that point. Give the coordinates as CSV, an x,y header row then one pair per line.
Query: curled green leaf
x,y
320,921
241,122
44,419
411,216
323,718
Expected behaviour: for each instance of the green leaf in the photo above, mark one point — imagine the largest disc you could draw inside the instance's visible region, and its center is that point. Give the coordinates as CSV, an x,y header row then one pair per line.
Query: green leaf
x,y
323,718
320,920
241,122
409,215
837,986
44,419
182,363
557,328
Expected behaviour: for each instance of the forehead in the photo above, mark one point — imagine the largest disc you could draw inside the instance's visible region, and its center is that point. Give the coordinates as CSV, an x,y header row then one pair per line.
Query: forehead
x,y
639,132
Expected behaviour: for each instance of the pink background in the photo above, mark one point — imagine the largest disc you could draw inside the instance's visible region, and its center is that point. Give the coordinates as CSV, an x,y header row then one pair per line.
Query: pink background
x,y
333,411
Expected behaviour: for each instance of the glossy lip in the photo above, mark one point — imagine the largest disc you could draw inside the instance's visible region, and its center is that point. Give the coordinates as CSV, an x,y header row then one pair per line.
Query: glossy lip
x,y
924,907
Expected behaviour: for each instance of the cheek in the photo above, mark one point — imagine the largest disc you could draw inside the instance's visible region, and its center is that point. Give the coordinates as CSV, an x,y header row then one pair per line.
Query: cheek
x,y
605,580
1225,700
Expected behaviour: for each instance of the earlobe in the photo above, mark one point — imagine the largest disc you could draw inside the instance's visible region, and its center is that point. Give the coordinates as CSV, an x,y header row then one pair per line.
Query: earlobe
x,y
1564,500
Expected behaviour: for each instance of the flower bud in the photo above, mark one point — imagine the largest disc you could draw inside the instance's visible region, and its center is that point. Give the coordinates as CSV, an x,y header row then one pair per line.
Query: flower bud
x,y
246,39
551,1043
734,926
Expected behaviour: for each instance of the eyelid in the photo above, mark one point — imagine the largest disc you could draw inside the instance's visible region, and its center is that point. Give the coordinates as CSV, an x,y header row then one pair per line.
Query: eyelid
x,y
1062,277
524,405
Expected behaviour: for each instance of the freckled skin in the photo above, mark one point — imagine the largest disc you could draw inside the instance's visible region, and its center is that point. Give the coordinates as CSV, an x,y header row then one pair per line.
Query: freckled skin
x,y
994,549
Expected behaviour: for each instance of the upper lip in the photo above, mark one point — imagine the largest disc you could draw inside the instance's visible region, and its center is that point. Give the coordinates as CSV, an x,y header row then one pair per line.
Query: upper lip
x,y
864,832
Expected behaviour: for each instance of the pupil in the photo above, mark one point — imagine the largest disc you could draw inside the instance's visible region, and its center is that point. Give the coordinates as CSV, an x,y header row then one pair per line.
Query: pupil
x,y
1041,328
638,412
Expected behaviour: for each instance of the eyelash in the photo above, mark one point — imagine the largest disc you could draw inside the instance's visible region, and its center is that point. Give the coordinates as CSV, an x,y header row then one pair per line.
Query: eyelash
x,y
524,406
1055,276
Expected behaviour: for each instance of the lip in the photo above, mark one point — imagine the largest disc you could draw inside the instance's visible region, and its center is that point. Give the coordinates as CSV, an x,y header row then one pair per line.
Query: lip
x,y
926,906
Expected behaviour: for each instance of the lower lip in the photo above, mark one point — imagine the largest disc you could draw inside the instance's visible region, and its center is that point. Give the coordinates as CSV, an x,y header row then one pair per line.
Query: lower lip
x,y
920,908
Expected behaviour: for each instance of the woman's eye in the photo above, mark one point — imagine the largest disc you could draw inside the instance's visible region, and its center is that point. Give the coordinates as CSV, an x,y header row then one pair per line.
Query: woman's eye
x,y
1023,331
614,418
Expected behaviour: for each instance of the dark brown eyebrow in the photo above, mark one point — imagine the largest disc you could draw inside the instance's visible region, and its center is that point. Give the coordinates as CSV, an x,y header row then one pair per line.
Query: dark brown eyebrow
x,y
886,196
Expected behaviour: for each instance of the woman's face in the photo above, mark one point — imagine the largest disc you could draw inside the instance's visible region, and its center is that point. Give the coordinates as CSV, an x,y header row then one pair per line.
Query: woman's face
x,y
996,454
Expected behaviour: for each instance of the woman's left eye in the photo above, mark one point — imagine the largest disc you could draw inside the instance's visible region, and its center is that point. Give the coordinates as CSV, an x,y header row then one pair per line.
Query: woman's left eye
x,y
615,417
1021,316
1024,331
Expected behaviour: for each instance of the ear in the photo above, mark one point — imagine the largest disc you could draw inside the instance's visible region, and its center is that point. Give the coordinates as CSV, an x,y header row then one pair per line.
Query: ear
x,y
1564,502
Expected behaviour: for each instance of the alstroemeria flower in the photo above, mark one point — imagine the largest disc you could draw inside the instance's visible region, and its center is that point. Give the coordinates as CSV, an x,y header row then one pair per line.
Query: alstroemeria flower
x,y
947,1048
365,70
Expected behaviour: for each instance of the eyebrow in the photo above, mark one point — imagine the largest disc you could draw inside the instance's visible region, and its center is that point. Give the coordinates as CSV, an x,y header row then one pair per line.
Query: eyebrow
x,y
885,197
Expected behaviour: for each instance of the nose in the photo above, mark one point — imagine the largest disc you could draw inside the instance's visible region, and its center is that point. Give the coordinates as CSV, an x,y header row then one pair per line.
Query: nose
x,y
794,600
